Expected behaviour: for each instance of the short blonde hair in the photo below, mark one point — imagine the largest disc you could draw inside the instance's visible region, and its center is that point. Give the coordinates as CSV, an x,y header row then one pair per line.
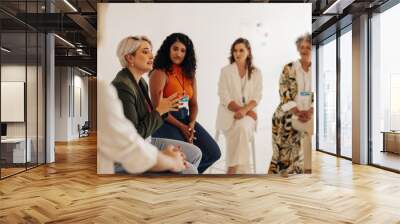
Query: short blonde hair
x,y
129,45
305,37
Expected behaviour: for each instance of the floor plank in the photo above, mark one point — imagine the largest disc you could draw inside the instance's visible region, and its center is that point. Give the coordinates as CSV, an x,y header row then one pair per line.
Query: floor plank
x,y
70,191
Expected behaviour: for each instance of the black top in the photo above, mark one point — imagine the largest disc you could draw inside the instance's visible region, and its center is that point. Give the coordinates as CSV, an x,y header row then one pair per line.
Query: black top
x,y
136,103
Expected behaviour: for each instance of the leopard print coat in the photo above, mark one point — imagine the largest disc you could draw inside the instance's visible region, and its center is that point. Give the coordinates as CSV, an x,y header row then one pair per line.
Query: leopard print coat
x,y
286,140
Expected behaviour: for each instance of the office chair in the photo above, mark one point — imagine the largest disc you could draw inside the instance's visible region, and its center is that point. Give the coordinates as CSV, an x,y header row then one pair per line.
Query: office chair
x,y
84,130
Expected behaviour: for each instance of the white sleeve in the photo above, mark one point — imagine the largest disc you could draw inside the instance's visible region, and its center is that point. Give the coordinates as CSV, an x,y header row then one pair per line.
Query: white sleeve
x,y
223,89
258,87
117,137
289,105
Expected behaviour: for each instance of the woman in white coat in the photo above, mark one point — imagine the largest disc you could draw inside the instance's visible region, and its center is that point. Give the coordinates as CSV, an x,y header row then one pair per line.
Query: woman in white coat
x,y
239,90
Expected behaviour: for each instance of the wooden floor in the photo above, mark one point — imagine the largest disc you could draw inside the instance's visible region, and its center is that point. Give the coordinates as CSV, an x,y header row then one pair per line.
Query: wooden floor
x,y
70,191
387,159
10,171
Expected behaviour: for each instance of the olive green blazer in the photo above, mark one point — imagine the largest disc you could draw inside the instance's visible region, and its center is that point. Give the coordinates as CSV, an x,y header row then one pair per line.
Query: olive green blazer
x,y
134,97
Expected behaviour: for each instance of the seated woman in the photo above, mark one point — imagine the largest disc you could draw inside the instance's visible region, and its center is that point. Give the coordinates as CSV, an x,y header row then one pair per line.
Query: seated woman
x,y
295,107
175,67
136,58
239,89
119,142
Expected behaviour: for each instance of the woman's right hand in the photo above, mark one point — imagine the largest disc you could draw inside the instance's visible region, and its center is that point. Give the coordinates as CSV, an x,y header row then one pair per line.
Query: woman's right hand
x,y
295,111
168,104
186,132
239,114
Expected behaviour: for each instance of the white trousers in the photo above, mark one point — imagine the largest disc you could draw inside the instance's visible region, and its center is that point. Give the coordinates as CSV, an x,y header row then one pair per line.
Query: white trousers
x,y
238,147
306,146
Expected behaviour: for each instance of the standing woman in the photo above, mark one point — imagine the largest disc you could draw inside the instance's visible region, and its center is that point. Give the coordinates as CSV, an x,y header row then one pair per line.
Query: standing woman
x,y
293,117
240,90
174,73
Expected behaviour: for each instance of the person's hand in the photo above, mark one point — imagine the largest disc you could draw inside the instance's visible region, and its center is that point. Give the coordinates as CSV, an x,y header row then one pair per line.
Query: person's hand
x,y
168,104
311,112
306,115
186,133
303,116
176,157
239,114
191,126
295,111
252,114
185,162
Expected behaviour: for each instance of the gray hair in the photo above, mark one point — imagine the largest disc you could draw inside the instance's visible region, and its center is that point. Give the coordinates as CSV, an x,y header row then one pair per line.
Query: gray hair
x,y
129,45
305,37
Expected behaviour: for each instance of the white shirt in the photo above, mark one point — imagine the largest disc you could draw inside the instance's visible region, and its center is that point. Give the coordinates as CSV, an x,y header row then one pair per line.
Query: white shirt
x,y
303,78
304,84
230,89
118,140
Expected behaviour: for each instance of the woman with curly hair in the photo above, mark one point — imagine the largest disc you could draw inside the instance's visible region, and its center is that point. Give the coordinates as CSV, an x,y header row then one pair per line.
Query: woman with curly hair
x,y
174,72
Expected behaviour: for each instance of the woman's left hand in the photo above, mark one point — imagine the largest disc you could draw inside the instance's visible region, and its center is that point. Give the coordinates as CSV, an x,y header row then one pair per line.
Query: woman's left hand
x,y
311,112
252,114
305,116
192,130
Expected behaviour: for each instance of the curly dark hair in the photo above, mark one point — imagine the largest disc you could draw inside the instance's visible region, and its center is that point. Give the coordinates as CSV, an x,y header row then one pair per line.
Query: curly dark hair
x,y
163,60
249,60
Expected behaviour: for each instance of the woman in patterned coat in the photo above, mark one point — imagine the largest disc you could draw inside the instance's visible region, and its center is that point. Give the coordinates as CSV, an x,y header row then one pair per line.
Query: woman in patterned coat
x,y
294,88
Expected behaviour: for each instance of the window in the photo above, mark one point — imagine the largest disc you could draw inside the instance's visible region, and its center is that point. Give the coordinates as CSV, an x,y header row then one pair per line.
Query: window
x,y
385,89
346,94
327,96
22,66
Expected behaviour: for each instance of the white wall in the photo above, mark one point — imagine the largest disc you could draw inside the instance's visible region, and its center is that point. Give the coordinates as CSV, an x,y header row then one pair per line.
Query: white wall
x,y
34,125
271,29
70,84
62,80
16,73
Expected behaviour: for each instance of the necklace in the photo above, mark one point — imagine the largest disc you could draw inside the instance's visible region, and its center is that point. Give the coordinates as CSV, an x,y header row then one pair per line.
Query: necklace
x,y
243,82
304,74
182,84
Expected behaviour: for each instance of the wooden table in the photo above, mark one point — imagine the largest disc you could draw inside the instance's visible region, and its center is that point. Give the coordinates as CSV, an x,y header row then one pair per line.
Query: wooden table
x,y
391,141
13,150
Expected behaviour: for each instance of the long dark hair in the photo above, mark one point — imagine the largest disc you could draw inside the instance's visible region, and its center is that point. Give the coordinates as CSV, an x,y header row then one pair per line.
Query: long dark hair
x,y
163,60
249,60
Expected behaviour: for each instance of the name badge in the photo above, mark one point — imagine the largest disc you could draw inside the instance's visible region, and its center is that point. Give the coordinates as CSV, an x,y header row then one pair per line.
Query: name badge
x,y
304,100
305,93
184,102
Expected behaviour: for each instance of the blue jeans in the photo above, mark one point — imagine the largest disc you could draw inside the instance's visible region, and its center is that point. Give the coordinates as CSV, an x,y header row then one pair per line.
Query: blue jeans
x,y
209,148
193,155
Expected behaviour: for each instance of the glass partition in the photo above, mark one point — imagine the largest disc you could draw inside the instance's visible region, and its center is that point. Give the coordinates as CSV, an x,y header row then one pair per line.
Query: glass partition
x,y
327,96
385,89
22,64
346,94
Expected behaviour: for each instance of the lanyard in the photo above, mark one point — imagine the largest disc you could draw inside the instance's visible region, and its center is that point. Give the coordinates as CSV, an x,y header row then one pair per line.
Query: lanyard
x,y
147,98
304,81
303,75
182,84
243,86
